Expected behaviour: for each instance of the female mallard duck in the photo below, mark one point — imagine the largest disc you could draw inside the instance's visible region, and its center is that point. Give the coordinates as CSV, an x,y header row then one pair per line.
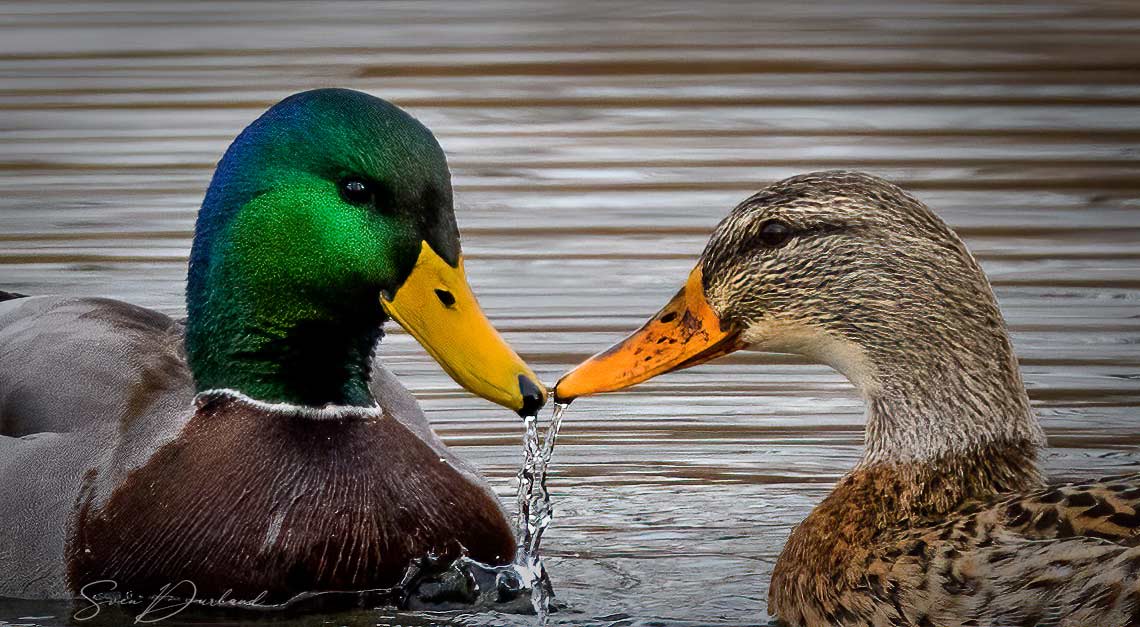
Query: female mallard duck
x,y
946,520
265,454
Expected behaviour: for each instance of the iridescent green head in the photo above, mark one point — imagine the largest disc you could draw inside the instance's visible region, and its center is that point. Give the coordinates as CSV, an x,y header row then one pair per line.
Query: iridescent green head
x,y
323,207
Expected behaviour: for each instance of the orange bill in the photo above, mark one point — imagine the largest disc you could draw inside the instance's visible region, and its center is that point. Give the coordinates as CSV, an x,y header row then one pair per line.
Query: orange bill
x,y
686,332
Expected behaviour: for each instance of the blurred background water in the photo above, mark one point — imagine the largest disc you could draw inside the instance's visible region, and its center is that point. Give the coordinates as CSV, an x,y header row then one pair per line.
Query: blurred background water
x,y
594,145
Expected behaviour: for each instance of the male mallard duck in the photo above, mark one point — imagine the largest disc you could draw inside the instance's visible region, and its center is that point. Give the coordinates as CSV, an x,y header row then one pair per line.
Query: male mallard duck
x,y
259,456
946,520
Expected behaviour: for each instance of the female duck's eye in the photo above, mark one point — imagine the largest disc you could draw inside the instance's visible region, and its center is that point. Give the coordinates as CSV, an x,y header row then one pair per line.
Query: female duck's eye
x,y
775,233
356,192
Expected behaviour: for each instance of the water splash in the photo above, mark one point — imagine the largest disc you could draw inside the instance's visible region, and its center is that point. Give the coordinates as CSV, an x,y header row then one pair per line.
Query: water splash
x,y
541,511
535,512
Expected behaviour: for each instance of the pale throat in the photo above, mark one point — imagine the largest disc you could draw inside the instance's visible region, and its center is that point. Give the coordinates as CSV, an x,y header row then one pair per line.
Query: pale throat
x,y
924,402
934,405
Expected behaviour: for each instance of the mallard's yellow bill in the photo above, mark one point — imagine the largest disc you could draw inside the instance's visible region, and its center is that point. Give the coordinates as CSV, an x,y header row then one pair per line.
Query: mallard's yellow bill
x,y
686,332
435,304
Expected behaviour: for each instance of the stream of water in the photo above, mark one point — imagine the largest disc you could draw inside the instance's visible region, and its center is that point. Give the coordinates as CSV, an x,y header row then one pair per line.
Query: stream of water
x,y
535,511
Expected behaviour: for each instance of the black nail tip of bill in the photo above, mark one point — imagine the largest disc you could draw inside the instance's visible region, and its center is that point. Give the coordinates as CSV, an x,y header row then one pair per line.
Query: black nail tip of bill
x,y
533,398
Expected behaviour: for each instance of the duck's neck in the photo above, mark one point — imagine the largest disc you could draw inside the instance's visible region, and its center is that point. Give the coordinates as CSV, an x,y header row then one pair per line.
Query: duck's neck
x,y
280,345
948,419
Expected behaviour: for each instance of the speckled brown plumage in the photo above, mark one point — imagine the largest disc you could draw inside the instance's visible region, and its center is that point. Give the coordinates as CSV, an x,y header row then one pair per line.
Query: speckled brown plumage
x,y
968,542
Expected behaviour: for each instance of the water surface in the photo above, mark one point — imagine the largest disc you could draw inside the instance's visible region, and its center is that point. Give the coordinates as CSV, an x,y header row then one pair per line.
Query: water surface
x,y
593,147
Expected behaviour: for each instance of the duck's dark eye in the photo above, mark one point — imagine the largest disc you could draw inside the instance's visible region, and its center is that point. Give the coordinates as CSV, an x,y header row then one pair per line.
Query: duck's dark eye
x,y
357,192
775,233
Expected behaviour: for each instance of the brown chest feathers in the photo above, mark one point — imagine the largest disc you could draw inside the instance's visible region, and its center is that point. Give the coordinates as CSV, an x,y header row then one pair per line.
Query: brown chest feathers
x,y
974,540
253,503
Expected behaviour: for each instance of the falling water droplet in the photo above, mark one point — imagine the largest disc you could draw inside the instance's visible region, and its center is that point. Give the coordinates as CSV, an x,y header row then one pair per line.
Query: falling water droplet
x,y
535,512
